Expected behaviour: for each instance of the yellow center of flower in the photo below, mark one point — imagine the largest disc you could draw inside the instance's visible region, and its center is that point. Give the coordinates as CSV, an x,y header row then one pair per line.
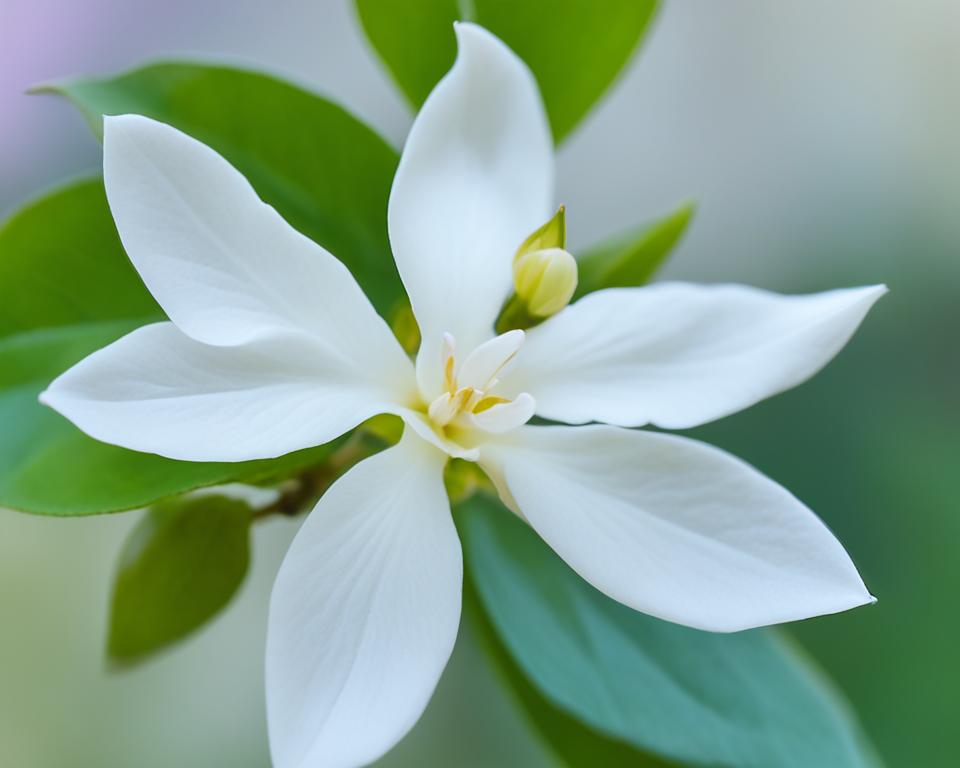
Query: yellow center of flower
x,y
469,400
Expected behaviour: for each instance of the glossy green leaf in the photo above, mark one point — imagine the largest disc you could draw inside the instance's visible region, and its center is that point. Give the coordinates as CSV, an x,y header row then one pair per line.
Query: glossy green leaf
x,y
33,358
414,39
745,700
47,466
571,741
326,172
61,263
576,48
180,566
66,289
632,260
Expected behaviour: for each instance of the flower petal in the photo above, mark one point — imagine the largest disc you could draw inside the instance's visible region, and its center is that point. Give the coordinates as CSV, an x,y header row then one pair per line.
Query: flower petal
x,y
364,612
487,362
679,355
504,417
224,265
159,391
674,527
476,178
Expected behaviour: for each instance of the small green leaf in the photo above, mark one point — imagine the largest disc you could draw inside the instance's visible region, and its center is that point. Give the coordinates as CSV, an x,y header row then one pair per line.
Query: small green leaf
x,y
326,172
49,467
744,700
179,567
632,260
61,263
575,48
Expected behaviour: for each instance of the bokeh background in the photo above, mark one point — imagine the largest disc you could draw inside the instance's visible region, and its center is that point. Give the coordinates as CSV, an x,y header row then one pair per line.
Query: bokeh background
x,y
821,141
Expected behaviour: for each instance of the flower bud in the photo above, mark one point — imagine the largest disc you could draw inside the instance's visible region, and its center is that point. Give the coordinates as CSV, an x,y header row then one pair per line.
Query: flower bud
x,y
553,234
544,280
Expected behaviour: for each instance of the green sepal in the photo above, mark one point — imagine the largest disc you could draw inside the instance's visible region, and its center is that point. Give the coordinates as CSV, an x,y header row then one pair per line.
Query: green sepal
x,y
552,234
515,315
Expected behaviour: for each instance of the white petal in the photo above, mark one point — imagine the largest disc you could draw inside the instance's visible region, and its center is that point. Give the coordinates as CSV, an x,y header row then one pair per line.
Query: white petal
x,y
491,461
488,361
364,612
224,265
506,416
675,528
679,355
421,425
159,391
476,178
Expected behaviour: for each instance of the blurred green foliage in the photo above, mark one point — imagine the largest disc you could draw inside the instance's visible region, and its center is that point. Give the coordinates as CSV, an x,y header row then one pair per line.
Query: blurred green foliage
x,y
872,444
632,259
413,39
61,263
180,565
574,48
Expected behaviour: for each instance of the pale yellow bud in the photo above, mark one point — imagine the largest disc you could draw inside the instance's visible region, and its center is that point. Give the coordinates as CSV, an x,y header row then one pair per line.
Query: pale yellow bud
x,y
544,280
553,234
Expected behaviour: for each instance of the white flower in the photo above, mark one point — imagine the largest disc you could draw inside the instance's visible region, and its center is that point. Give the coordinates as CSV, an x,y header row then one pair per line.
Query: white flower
x,y
272,347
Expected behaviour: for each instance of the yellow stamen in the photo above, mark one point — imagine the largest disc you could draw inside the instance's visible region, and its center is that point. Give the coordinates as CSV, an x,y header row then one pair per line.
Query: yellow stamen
x,y
488,402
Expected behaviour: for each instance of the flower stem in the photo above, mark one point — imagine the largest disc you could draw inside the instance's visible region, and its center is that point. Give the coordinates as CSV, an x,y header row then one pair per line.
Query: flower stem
x,y
305,489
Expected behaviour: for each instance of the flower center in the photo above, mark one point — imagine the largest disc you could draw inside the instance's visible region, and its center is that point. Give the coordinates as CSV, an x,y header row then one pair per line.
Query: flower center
x,y
469,400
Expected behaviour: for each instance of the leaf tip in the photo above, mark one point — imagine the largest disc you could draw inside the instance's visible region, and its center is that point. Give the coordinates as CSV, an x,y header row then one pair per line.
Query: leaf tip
x,y
42,88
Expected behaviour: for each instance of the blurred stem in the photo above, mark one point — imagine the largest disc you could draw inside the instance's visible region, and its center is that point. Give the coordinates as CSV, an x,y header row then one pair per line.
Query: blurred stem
x,y
297,494
303,490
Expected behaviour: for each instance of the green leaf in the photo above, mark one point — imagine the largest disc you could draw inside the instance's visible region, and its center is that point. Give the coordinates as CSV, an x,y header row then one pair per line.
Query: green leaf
x,y
632,260
67,289
49,467
572,741
745,700
61,263
414,39
576,48
180,566
326,172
